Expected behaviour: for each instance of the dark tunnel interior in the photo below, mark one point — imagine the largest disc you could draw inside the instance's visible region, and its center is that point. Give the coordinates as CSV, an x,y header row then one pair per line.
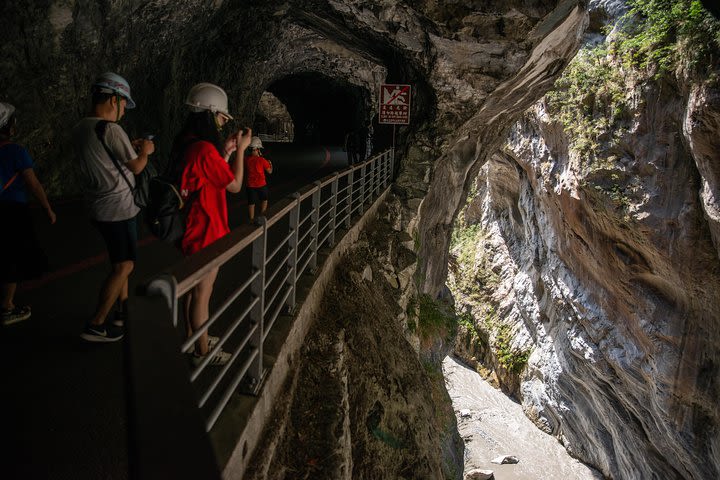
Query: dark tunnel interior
x,y
323,109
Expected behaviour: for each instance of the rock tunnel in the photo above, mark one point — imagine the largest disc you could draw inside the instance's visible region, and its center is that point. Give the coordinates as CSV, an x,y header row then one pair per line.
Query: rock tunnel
x,y
477,68
314,102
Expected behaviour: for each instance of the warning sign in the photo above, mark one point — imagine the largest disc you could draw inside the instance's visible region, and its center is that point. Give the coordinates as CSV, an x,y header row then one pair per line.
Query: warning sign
x,y
394,104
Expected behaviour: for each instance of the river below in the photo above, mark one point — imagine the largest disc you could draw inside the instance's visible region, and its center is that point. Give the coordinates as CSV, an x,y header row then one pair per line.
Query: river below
x,y
493,425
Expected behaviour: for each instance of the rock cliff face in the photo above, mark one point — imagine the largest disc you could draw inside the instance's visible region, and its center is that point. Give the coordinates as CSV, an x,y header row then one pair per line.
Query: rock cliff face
x,y
475,66
592,281
362,403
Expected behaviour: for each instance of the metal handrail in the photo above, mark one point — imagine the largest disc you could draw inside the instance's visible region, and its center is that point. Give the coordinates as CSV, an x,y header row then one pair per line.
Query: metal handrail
x,y
263,292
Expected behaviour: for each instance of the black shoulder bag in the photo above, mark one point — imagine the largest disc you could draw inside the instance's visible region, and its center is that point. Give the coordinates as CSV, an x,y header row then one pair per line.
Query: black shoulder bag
x,y
166,214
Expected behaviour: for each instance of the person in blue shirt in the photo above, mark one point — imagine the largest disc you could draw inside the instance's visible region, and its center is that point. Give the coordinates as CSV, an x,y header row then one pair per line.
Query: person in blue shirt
x,y
20,256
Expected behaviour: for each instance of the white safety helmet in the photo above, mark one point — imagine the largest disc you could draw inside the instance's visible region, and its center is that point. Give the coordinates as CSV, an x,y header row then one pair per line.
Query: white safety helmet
x,y
255,142
206,96
110,82
6,112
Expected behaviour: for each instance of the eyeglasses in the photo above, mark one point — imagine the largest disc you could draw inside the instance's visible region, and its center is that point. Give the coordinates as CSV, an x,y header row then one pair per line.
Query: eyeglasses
x,y
222,118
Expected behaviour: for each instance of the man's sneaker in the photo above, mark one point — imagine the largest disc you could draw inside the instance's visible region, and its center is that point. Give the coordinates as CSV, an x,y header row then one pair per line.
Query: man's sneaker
x,y
102,333
212,341
220,358
15,315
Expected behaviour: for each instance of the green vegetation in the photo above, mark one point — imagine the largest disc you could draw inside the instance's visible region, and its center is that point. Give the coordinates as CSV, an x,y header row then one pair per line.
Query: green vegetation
x,y
589,100
513,360
665,34
435,319
592,99
615,192
470,272
464,242
476,339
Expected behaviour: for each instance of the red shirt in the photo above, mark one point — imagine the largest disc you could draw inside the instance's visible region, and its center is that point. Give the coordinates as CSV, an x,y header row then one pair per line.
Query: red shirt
x,y
207,172
255,171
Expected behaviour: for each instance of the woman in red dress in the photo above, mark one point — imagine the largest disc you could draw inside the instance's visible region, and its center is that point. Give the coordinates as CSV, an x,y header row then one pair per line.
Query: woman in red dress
x,y
206,176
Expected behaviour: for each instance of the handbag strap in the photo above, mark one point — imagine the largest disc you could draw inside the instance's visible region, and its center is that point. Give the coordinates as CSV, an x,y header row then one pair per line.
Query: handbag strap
x,y
100,128
14,177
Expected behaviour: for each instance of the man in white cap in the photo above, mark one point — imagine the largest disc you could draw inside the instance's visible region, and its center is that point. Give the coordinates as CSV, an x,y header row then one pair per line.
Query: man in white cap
x,y
108,161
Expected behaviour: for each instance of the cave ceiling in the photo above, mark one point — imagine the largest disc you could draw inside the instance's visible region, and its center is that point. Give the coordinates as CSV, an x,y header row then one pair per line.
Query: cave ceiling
x,y
455,53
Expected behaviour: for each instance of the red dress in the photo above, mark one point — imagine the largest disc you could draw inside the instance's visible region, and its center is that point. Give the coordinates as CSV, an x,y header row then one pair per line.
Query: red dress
x,y
207,172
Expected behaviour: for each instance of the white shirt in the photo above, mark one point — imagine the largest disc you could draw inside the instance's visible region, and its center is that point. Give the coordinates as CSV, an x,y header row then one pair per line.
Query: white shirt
x,y
107,194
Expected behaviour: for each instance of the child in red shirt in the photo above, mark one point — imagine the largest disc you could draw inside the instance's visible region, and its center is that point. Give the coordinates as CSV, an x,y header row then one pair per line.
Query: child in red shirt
x,y
206,176
256,166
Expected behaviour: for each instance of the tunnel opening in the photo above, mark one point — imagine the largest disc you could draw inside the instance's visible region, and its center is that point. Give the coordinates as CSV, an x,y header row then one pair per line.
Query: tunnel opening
x,y
323,109
272,120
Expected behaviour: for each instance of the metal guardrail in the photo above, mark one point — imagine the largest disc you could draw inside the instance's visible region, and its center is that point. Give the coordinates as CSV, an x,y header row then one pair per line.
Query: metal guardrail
x,y
270,258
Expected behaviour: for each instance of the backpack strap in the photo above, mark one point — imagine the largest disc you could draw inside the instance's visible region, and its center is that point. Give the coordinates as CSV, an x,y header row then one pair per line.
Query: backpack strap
x,y
9,182
100,128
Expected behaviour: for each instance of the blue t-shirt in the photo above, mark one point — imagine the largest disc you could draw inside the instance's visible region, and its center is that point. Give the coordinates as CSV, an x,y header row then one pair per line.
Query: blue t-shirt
x,y
13,159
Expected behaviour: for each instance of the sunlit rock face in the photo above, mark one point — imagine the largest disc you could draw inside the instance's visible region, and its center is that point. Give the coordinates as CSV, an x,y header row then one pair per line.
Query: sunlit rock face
x,y
474,66
609,277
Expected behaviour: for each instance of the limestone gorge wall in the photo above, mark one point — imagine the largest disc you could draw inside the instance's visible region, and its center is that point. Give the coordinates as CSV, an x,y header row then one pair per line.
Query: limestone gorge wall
x,y
589,280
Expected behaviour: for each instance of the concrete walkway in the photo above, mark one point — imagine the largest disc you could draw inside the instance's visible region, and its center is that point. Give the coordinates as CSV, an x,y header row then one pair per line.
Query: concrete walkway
x,y
64,401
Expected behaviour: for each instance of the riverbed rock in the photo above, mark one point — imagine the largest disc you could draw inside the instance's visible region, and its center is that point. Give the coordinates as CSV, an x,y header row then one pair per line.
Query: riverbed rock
x,y
505,459
367,273
479,474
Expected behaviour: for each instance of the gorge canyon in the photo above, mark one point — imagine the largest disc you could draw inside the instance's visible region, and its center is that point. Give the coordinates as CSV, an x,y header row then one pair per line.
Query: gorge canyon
x,y
556,229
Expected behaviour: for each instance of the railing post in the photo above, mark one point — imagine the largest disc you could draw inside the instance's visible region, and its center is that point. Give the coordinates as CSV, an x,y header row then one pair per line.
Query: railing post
x,y
371,182
386,168
392,164
315,226
293,244
349,198
333,206
376,178
362,188
381,171
257,289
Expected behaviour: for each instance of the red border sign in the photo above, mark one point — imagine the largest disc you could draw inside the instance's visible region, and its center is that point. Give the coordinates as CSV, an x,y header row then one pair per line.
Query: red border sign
x,y
394,104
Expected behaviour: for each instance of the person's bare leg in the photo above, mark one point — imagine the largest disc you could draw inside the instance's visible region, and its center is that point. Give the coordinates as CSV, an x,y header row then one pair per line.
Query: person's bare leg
x,y
124,291
200,309
251,211
7,295
112,289
263,207
188,303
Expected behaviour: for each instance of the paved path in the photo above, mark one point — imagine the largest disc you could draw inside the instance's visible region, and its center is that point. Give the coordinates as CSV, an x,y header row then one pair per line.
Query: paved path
x,y
63,400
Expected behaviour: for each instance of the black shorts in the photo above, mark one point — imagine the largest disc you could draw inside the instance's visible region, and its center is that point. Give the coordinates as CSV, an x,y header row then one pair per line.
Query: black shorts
x,y
120,238
256,195
21,257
